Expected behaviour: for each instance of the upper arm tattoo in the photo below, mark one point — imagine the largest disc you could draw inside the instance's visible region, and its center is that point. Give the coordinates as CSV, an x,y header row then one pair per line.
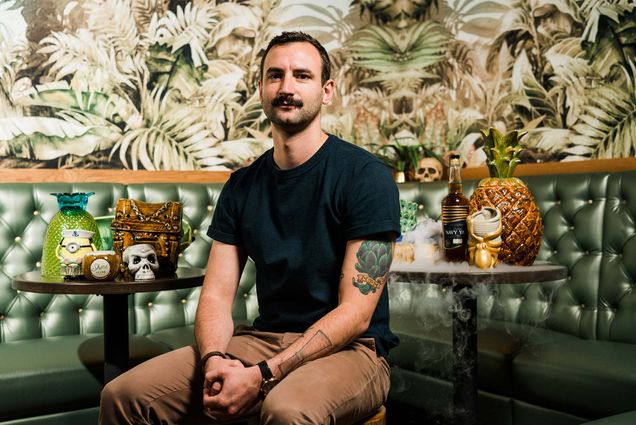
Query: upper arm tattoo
x,y
374,260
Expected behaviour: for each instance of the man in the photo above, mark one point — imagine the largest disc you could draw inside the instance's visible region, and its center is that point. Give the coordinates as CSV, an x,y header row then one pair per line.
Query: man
x,y
318,216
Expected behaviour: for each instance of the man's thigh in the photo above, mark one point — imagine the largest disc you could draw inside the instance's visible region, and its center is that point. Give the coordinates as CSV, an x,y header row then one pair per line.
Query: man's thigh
x,y
167,387
345,387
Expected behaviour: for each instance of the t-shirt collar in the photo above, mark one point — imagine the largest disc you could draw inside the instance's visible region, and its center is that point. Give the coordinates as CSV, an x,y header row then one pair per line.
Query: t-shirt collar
x,y
302,168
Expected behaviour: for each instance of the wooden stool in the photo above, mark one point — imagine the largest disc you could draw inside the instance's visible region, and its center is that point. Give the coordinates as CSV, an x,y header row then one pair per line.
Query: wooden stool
x,y
379,418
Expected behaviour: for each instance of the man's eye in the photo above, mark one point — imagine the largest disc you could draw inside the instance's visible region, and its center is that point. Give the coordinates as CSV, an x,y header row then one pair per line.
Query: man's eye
x,y
303,77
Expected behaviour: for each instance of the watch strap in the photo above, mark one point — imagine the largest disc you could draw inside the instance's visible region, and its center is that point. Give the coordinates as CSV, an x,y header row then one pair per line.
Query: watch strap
x,y
266,373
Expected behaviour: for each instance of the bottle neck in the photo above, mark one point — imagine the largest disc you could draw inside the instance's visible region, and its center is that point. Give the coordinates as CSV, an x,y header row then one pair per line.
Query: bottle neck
x,y
454,177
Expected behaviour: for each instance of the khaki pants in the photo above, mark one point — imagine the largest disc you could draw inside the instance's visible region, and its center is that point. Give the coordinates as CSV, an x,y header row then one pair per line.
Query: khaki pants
x,y
342,388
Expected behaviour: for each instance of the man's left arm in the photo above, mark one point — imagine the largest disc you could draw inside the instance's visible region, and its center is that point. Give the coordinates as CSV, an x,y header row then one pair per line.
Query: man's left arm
x,y
365,270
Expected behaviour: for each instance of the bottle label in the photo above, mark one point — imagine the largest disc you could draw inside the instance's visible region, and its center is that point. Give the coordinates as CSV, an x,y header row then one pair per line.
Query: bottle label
x,y
454,223
100,268
455,234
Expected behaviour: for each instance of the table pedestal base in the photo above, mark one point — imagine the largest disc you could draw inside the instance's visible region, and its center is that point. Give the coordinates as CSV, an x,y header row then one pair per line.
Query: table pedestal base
x,y
115,335
464,318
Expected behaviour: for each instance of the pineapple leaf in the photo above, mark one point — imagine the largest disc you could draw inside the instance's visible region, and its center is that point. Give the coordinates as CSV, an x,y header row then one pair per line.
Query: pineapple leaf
x,y
502,151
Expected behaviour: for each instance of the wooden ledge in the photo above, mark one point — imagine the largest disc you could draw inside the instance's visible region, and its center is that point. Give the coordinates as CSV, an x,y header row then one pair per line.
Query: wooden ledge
x,y
42,175
546,168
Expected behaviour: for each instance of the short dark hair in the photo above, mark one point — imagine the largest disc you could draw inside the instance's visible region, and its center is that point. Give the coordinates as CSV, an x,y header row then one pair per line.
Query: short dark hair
x,y
299,37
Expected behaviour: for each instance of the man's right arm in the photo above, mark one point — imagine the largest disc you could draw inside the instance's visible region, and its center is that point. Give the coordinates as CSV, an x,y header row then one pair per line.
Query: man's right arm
x,y
213,326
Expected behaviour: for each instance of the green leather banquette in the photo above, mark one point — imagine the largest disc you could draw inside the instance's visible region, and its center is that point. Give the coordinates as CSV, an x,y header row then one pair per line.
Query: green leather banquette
x,y
555,353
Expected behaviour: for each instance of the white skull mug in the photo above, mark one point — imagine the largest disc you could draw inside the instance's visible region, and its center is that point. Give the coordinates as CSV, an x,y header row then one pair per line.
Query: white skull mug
x,y
141,261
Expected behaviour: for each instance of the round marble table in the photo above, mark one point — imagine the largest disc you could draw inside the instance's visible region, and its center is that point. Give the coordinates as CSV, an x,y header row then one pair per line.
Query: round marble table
x,y
115,311
461,277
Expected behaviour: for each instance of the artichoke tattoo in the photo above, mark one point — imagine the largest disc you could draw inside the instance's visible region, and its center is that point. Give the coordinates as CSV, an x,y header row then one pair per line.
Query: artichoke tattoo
x,y
374,260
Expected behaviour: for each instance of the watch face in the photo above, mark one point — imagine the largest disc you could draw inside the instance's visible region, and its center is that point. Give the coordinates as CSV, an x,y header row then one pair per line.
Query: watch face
x,y
267,385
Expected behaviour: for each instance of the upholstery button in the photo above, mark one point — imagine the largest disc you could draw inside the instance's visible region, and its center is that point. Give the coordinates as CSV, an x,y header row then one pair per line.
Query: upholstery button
x,y
210,207
181,254
110,209
587,252
18,291
246,295
1,316
36,212
420,206
589,201
195,231
444,289
80,310
582,306
17,239
569,277
554,252
624,202
42,314
183,301
38,264
558,202
149,305
571,227
522,298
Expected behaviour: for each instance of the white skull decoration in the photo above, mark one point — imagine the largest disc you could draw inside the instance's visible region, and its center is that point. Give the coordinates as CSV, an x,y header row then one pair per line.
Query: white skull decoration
x,y
141,261
428,170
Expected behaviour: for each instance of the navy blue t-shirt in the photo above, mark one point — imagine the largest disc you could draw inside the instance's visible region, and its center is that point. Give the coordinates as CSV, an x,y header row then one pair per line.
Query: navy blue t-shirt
x,y
295,225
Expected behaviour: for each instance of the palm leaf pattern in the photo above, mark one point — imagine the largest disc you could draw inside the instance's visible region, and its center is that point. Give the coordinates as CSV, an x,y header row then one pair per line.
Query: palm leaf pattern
x,y
608,125
160,86
399,55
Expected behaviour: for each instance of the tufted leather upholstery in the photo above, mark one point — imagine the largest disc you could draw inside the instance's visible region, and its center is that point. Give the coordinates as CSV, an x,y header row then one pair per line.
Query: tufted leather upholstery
x,y
528,333
553,350
26,209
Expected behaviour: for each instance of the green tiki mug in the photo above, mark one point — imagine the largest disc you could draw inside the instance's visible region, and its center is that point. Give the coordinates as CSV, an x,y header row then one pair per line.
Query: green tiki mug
x,y
72,214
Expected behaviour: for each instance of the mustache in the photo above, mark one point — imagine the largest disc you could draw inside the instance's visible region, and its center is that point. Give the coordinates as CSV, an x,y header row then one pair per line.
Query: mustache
x,y
287,100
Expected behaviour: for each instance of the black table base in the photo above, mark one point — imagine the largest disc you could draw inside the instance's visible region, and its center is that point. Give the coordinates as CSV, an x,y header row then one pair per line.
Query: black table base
x,y
115,336
464,321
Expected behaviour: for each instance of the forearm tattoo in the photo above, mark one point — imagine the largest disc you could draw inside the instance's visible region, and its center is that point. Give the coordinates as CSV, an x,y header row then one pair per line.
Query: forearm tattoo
x,y
374,261
318,344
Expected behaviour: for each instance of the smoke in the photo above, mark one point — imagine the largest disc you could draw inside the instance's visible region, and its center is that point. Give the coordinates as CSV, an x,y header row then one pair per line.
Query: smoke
x,y
427,238
424,310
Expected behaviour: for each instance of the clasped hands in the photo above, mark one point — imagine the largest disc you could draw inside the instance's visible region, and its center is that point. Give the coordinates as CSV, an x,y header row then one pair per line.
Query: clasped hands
x,y
229,388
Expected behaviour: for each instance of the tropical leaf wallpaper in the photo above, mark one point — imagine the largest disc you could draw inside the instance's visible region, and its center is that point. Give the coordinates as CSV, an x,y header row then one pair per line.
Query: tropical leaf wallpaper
x,y
172,84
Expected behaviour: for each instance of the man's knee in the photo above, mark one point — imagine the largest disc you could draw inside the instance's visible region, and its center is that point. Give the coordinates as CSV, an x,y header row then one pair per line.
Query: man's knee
x,y
279,412
118,403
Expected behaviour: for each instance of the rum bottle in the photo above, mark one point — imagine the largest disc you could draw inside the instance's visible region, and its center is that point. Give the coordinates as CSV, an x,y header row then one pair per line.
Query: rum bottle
x,y
454,213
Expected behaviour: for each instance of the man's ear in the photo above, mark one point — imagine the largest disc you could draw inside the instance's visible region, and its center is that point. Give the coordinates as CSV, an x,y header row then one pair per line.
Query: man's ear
x,y
328,91
260,89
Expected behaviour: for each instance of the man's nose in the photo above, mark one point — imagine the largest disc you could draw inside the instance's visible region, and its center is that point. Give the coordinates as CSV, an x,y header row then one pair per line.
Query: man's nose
x,y
286,85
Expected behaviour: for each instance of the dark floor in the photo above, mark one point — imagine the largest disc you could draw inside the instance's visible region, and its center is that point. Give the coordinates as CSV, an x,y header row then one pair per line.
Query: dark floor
x,y
401,414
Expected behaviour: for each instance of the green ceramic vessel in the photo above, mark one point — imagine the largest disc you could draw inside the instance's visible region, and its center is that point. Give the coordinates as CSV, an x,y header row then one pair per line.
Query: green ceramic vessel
x,y
72,214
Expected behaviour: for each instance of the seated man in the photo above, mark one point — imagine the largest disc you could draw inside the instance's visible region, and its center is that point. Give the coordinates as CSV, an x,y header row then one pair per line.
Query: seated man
x,y
319,217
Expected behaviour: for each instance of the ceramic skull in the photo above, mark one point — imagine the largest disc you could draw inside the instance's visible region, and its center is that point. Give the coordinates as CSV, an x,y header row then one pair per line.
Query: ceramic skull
x,y
142,261
428,170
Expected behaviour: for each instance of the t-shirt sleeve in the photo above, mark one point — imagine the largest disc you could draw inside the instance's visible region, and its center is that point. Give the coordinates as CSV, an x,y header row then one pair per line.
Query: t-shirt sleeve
x,y
372,203
224,226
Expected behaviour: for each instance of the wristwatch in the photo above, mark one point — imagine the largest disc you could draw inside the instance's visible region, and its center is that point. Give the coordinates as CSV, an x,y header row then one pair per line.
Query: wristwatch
x,y
268,381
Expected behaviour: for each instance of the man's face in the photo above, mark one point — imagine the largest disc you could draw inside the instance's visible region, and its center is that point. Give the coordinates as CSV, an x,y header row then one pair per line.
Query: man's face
x,y
290,89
